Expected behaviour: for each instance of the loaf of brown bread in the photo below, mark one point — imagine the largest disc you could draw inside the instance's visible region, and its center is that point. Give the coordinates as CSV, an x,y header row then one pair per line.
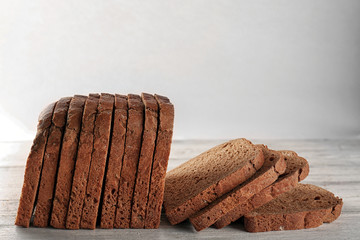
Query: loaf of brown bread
x,y
67,162
130,162
98,159
51,159
102,132
33,168
305,206
82,164
274,166
142,183
160,162
297,168
199,181
116,155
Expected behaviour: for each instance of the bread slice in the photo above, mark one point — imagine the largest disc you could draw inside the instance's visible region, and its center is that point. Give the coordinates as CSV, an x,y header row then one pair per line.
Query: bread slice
x,y
50,165
102,132
116,155
33,168
141,189
67,162
297,168
199,181
305,206
160,162
82,164
130,162
274,166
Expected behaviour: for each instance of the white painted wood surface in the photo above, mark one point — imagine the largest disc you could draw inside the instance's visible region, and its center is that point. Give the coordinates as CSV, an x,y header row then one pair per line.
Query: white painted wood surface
x,y
334,165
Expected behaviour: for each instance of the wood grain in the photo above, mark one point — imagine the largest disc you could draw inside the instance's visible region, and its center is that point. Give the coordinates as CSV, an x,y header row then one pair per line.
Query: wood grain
x,y
334,165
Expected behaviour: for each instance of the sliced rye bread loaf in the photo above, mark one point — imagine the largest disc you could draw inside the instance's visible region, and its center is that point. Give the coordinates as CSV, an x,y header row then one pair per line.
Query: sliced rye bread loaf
x,y
33,168
102,132
116,155
160,162
305,206
199,181
67,162
274,166
142,183
297,169
130,162
50,165
82,165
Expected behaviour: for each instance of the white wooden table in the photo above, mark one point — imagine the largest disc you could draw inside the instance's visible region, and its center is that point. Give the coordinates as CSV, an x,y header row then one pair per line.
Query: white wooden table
x,y
334,165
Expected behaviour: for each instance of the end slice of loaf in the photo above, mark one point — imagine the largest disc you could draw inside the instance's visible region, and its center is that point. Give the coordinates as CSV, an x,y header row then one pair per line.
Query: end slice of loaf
x,y
297,168
33,168
198,182
50,164
305,206
274,166
160,162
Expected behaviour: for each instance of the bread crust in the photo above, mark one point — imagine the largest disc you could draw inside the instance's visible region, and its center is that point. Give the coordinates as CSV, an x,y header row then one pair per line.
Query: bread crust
x,y
273,167
50,165
33,167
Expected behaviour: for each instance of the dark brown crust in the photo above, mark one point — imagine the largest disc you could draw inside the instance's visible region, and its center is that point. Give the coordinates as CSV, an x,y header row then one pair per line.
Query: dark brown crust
x,y
285,183
294,220
142,184
216,190
33,168
132,151
67,162
304,170
116,155
50,165
102,132
160,162
82,164
268,174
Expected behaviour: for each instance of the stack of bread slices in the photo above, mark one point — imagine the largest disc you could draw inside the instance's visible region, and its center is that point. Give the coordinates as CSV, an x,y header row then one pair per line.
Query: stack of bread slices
x,y
239,179
98,160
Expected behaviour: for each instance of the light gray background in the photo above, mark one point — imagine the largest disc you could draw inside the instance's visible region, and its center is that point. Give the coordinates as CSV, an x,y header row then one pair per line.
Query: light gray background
x,y
256,69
